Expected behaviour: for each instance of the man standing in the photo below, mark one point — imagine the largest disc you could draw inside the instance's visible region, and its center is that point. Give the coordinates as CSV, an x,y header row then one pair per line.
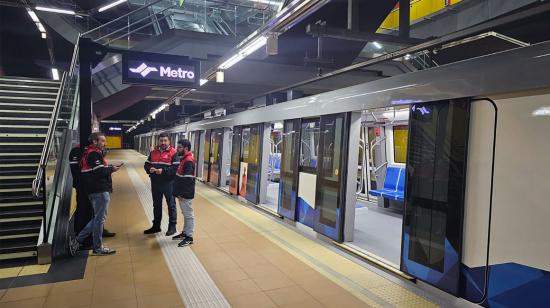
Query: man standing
x,y
159,166
184,190
84,211
96,177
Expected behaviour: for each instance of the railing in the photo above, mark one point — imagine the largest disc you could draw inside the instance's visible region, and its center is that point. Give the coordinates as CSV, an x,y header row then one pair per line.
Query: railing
x,y
46,184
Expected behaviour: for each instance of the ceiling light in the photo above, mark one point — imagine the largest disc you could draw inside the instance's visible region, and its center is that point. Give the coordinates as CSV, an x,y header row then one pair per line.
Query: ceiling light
x,y
377,45
43,35
55,10
110,5
220,76
33,16
55,74
252,47
255,45
407,57
231,61
203,81
41,27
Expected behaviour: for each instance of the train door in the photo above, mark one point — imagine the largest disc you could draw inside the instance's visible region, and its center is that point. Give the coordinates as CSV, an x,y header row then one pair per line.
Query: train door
x,y
198,152
253,162
435,192
378,217
206,155
307,170
235,167
288,191
216,144
331,174
273,173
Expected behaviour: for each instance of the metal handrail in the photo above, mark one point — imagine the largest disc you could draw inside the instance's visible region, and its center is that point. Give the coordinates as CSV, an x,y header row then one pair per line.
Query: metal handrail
x,y
53,124
121,17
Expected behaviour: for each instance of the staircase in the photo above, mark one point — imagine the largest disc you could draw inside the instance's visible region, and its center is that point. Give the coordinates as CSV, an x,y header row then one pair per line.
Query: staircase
x,y
26,106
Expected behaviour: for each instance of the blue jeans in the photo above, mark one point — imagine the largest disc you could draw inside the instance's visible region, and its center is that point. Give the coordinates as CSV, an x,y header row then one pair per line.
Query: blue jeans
x,y
100,204
159,191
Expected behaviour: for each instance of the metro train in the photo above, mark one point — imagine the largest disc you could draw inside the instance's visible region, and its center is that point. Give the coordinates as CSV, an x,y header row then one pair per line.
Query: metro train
x,y
441,174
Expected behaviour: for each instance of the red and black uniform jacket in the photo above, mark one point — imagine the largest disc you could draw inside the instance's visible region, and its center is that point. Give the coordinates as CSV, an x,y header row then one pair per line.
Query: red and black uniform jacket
x,y
74,161
95,171
166,160
184,182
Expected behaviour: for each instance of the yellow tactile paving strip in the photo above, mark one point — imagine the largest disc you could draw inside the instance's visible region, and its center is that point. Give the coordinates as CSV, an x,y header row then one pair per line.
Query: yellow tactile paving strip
x,y
137,276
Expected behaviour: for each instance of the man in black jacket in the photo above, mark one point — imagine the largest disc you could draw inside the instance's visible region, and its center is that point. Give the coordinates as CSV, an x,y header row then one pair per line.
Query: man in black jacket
x,y
84,211
160,167
96,177
184,190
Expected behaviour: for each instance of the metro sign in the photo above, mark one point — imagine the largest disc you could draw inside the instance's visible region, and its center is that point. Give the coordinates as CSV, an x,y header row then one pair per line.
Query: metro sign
x,y
164,70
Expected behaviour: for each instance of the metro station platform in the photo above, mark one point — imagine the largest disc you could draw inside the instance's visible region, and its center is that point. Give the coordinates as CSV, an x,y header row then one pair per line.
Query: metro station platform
x,y
241,257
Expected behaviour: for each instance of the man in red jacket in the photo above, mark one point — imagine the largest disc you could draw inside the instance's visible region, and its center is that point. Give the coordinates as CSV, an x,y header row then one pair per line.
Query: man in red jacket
x,y
159,166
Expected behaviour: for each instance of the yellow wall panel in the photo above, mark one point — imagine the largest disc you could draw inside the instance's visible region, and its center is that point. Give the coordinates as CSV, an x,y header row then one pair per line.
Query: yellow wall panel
x,y
114,142
419,10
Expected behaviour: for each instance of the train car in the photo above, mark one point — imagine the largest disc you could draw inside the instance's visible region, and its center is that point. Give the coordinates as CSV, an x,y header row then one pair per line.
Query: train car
x,y
440,175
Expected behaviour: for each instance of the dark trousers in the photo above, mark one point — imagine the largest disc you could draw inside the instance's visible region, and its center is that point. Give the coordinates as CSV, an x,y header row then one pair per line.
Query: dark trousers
x,y
83,214
160,190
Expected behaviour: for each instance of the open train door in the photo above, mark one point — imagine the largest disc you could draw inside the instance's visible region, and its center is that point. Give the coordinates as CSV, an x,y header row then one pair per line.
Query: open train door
x,y
288,184
435,192
330,196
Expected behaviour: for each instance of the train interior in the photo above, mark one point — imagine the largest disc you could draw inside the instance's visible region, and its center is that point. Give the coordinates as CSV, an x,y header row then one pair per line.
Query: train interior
x,y
274,166
380,183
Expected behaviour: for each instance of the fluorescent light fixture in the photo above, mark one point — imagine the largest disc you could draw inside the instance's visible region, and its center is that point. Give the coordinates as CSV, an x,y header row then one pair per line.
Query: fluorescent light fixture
x,y
55,74
110,5
43,35
33,16
252,47
407,57
203,81
55,10
41,27
377,45
255,45
231,61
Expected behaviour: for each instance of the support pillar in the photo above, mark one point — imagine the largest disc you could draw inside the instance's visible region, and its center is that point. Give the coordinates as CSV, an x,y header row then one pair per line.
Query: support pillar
x,y
404,18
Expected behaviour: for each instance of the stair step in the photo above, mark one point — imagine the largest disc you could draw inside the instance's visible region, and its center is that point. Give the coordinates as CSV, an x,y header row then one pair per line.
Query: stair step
x,y
27,93
27,80
18,255
4,204
46,103
17,169
26,113
23,181
37,129
29,87
39,107
20,219
21,213
20,235
26,98
21,246
21,135
24,121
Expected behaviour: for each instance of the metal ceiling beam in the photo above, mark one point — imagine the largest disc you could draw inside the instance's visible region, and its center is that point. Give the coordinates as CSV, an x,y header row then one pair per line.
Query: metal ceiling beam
x,y
344,34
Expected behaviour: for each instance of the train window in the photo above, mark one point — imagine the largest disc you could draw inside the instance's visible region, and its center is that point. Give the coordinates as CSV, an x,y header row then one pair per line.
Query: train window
x,y
309,145
400,137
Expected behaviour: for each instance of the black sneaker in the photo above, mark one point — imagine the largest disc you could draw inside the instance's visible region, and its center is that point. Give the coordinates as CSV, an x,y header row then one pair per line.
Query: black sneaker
x,y
187,240
106,233
74,245
179,237
171,230
152,230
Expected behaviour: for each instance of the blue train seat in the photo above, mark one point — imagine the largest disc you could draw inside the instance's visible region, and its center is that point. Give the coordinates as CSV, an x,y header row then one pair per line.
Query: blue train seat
x,y
394,185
